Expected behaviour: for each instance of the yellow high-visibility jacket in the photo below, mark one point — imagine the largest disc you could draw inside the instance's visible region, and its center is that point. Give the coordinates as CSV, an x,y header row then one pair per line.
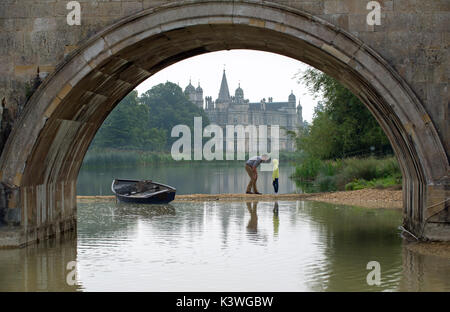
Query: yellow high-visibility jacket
x,y
276,171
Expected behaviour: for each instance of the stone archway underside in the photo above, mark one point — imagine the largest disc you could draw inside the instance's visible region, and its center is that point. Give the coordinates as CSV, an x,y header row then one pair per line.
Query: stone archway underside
x,y
44,153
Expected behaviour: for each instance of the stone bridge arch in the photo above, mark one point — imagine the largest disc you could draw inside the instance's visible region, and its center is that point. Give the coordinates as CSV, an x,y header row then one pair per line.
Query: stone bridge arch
x,y
41,160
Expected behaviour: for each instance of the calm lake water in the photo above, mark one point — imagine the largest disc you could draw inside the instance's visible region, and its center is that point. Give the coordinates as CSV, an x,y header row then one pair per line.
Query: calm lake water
x,y
191,178
218,246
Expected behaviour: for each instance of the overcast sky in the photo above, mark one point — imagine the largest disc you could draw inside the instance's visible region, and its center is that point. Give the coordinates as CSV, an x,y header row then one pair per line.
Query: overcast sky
x,y
261,74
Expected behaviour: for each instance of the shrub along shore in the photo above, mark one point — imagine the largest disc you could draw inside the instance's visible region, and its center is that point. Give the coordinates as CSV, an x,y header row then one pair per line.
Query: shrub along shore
x,y
315,175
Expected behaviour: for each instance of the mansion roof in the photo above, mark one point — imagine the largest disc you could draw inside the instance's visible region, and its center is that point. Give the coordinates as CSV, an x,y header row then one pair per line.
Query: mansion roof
x,y
271,106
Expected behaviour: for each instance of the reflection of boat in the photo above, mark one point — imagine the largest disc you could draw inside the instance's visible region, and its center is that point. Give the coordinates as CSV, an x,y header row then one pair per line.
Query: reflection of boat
x,y
145,211
142,191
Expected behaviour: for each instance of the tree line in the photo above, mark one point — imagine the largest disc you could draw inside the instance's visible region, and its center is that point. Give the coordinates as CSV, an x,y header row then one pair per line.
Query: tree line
x,y
342,126
145,122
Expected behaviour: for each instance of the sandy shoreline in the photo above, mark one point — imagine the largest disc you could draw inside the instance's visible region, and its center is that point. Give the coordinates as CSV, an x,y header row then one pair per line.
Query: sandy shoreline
x,y
218,197
370,198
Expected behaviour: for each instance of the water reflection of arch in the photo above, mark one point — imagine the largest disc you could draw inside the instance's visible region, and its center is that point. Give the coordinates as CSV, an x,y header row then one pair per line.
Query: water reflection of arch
x,y
39,267
425,270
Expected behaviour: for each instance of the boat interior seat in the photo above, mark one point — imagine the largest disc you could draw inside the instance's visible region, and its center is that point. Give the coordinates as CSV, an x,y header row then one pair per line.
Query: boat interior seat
x,y
141,188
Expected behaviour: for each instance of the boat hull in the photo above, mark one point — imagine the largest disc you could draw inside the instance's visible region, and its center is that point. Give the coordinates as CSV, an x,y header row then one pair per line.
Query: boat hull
x,y
162,198
126,191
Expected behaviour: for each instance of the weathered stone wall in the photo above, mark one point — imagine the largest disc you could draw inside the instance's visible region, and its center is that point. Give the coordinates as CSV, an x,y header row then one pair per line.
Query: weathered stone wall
x,y
9,210
413,37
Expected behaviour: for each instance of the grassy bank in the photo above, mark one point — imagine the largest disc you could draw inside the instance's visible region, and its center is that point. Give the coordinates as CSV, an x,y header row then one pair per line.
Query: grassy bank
x,y
123,158
101,158
315,175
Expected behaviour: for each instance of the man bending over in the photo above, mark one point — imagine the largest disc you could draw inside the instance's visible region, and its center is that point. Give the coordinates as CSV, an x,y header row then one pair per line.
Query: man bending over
x,y
251,167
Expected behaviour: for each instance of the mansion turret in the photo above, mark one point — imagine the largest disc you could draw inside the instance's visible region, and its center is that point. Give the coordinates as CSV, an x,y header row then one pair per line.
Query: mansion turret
x,y
236,110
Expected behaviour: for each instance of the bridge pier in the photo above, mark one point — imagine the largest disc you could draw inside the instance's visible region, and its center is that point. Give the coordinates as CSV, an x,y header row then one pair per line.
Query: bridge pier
x,y
36,213
436,219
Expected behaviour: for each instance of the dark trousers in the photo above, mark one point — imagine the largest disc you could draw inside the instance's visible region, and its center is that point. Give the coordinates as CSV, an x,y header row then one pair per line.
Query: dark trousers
x,y
275,185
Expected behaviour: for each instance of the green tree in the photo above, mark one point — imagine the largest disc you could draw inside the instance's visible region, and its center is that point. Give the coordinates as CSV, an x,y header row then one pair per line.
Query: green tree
x,y
145,123
121,127
342,126
168,107
127,128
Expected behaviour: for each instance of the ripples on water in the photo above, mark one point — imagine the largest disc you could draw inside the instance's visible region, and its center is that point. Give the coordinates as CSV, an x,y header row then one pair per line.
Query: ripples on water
x,y
217,246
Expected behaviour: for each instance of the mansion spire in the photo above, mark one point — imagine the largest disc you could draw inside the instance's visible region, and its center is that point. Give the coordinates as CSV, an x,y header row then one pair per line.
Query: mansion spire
x,y
224,93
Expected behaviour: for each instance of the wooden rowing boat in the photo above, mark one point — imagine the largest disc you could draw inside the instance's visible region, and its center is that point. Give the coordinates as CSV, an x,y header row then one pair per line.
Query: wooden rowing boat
x,y
142,191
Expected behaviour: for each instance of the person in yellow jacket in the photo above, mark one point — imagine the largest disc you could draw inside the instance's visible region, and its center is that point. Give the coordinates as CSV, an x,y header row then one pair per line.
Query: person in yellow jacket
x,y
275,175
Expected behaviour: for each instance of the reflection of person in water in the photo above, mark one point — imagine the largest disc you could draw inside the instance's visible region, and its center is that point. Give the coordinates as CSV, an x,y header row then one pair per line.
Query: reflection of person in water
x,y
276,219
252,225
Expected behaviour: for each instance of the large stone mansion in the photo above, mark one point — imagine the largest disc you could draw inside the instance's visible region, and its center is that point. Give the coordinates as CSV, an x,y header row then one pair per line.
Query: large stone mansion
x,y
236,110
